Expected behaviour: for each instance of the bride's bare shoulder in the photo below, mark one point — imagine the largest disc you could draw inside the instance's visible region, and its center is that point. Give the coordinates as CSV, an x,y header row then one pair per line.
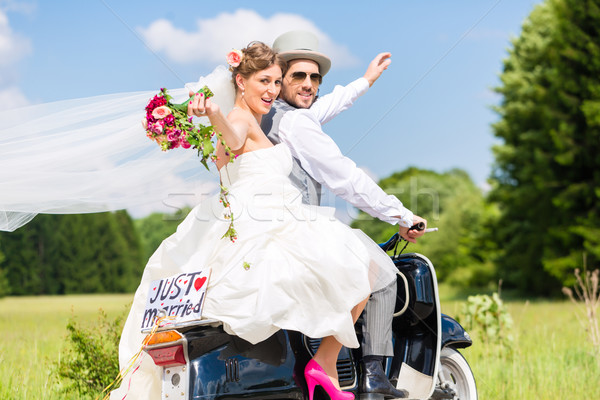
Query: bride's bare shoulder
x,y
239,115
237,112
242,122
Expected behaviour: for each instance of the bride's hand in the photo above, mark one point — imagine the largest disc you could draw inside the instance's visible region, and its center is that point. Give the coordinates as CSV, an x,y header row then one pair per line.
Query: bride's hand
x,y
234,133
200,106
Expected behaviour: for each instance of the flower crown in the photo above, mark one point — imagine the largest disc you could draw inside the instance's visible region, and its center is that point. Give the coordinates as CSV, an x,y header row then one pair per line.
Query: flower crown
x,y
234,58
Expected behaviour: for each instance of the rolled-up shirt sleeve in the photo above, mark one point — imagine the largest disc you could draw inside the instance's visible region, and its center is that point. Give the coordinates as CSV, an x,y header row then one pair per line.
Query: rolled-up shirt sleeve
x,y
318,154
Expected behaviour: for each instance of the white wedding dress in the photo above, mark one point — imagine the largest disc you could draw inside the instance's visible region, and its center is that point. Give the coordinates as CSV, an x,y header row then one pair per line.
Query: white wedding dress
x,y
307,269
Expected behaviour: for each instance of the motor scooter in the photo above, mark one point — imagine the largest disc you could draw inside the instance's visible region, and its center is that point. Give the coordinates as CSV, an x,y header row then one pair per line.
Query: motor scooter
x,y
201,361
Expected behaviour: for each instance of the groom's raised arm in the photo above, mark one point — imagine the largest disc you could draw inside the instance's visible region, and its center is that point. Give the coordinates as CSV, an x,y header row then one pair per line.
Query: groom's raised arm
x,y
343,97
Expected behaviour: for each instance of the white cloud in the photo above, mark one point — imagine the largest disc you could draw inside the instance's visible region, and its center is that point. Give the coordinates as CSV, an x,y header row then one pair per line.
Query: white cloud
x,y
214,37
12,97
13,48
18,6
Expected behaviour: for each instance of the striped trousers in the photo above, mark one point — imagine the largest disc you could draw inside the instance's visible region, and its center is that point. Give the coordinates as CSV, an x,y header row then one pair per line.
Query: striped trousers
x,y
377,322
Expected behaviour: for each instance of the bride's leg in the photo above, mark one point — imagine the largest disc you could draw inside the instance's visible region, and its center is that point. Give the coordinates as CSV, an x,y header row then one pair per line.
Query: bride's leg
x,y
358,309
327,353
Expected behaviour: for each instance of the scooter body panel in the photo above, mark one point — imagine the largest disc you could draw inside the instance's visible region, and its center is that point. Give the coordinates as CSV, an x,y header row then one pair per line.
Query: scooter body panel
x,y
417,331
223,366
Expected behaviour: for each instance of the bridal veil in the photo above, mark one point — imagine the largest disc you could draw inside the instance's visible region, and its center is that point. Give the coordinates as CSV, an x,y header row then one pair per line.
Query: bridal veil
x,y
92,155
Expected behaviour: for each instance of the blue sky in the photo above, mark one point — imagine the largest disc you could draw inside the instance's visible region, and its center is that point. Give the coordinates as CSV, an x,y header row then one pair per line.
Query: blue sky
x,y
431,109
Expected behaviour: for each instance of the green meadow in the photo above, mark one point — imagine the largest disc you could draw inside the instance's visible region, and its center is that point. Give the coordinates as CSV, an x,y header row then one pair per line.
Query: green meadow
x,y
551,356
33,338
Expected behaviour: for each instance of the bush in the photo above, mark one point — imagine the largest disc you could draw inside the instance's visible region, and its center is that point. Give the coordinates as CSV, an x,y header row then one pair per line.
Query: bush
x,y
489,318
91,362
587,299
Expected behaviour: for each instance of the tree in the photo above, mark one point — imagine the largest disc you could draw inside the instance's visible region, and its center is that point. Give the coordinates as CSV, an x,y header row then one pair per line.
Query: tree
x,y
23,250
547,170
96,253
4,288
156,227
134,251
81,253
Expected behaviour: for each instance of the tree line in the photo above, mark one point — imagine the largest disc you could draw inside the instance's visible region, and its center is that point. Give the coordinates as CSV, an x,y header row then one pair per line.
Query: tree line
x,y
535,226
80,253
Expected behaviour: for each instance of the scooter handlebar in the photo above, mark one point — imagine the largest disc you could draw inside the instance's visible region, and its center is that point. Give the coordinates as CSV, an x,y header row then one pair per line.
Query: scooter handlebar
x,y
419,226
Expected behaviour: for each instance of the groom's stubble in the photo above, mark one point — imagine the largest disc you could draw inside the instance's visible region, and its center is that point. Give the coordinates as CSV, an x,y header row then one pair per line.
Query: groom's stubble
x,y
300,94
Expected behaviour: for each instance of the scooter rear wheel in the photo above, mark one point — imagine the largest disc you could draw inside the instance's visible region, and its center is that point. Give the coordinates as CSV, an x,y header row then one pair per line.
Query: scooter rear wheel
x,y
455,374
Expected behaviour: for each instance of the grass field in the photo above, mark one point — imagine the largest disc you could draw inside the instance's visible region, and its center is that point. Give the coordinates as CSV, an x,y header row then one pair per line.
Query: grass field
x,y
551,359
33,332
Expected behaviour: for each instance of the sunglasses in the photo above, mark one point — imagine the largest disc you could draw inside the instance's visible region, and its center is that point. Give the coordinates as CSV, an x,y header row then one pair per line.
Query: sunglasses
x,y
300,76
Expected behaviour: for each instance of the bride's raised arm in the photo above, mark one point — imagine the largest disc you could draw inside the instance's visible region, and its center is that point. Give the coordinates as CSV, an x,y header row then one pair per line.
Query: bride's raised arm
x,y
234,130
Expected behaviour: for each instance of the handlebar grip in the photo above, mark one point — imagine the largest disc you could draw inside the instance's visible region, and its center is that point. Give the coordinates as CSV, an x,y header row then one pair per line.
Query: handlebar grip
x,y
418,226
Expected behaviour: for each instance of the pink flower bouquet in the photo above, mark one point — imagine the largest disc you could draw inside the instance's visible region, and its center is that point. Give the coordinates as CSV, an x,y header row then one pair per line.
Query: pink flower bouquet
x,y
169,125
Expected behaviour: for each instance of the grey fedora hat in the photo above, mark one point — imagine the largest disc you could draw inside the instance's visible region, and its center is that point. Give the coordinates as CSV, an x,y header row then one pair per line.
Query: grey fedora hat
x,y
295,45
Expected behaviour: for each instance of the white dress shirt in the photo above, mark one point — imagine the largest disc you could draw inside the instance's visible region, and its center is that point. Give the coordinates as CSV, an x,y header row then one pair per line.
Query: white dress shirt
x,y
321,158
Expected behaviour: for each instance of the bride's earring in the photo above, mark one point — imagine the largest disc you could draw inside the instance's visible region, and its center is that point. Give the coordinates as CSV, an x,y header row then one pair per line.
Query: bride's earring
x,y
243,93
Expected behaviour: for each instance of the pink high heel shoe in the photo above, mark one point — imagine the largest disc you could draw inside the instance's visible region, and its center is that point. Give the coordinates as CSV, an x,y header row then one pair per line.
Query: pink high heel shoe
x,y
315,375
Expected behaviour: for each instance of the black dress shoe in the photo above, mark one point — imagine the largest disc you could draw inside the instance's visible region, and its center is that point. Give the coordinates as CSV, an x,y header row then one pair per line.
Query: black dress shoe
x,y
374,381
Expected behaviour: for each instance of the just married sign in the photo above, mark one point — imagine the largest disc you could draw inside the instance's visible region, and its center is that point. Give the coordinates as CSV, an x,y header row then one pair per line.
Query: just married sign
x,y
179,296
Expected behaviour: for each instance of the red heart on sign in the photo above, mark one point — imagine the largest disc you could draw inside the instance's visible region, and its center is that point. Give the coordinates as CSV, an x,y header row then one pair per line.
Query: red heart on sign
x,y
199,282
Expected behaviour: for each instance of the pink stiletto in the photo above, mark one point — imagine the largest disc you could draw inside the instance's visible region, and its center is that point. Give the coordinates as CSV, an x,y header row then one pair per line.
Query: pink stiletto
x,y
315,375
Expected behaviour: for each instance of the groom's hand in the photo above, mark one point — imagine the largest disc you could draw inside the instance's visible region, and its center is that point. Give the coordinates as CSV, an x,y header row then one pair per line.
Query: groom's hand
x,y
377,66
413,234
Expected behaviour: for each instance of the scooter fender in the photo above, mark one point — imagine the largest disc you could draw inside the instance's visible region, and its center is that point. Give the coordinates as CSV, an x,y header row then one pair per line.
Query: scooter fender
x,y
416,327
453,334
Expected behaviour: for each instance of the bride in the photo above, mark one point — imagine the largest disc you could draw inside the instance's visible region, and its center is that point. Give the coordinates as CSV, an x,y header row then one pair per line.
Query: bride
x,y
292,267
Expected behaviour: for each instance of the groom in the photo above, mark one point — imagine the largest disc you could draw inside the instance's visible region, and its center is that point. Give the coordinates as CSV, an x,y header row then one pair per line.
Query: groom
x,y
318,161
